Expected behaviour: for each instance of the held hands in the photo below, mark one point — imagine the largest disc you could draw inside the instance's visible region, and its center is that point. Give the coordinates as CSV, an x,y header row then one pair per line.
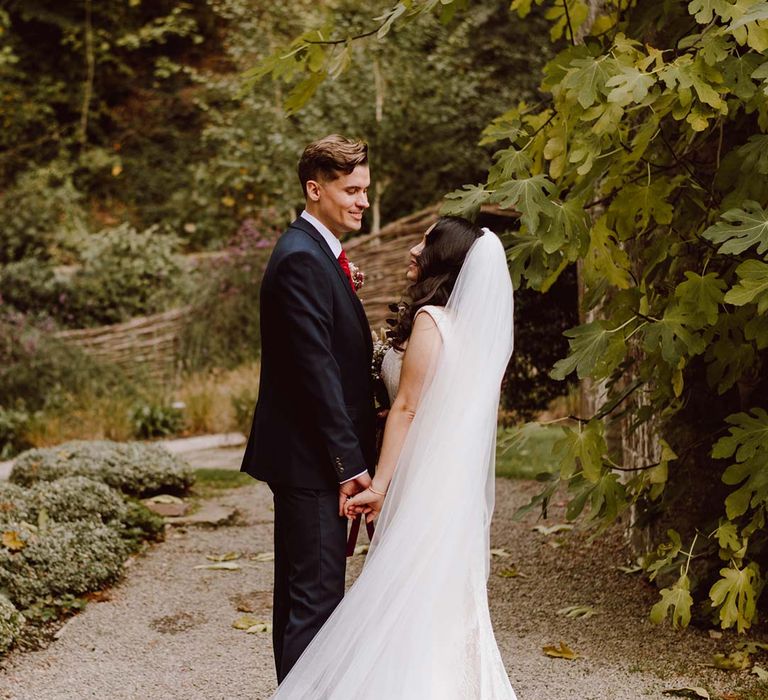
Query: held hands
x,y
350,488
366,502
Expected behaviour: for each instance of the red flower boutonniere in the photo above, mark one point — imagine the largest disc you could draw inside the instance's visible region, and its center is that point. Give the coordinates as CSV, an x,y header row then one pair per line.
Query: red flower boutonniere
x,y
358,276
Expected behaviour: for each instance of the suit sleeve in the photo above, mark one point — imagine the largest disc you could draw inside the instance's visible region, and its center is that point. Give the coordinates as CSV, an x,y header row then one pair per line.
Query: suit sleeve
x,y
303,292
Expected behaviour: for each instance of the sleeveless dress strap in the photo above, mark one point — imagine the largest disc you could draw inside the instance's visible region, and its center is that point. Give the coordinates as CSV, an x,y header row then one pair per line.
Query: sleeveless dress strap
x,y
438,316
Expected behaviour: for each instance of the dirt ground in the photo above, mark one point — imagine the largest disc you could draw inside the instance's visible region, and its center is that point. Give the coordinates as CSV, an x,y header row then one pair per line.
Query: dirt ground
x,y
166,630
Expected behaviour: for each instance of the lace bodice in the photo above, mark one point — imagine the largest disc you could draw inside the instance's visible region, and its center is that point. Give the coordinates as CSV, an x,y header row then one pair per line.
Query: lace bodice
x,y
392,362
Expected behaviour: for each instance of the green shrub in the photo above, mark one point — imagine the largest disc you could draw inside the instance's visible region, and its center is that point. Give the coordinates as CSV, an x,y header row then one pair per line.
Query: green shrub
x,y
31,287
122,273
125,273
156,420
38,371
223,330
74,498
11,622
14,503
242,405
74,557
13,426
77,498
140,524
134,468
52,608
38,211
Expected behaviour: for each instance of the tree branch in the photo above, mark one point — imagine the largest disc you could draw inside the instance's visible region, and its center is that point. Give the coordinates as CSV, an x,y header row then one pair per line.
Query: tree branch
x,y
90,65
334,42
568,20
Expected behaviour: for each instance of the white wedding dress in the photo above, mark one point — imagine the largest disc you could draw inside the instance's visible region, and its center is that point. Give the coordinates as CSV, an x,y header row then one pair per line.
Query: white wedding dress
x,y
415,625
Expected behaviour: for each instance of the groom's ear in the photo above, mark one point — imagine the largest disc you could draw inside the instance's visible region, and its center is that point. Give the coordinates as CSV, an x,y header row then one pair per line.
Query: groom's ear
x,y
313,190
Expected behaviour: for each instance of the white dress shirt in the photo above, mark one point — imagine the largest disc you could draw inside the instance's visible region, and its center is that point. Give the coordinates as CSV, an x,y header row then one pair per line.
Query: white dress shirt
x,y
335,245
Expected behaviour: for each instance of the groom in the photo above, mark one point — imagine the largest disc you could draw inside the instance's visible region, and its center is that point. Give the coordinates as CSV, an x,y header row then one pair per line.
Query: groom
x,y
313,435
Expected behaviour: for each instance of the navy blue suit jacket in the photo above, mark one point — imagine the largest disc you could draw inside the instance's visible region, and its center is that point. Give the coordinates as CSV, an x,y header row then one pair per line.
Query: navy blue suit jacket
x,y
314,423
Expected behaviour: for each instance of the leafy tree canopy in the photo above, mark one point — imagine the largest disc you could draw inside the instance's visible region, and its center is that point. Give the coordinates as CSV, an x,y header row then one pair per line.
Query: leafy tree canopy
x,y
644,163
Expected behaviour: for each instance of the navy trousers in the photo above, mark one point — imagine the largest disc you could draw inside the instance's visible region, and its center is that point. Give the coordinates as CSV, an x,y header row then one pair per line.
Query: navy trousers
x,y
310,565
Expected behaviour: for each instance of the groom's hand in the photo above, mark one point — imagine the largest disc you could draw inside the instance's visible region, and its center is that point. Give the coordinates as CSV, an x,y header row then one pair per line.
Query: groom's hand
x,y
350,488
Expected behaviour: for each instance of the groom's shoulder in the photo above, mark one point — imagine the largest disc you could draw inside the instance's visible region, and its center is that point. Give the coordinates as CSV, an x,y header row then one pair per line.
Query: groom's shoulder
x,y
296,240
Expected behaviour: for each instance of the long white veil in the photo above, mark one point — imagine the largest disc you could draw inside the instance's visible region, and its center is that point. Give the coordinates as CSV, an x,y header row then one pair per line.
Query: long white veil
x,y
415,624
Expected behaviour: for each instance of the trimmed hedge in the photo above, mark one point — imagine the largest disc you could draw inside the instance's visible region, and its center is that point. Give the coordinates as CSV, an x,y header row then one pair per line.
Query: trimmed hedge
x,y
14,503
77,498
135,468
11,622
74,557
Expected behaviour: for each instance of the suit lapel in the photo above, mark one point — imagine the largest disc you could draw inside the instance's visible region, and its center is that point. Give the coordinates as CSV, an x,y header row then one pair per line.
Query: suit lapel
x,y
310,230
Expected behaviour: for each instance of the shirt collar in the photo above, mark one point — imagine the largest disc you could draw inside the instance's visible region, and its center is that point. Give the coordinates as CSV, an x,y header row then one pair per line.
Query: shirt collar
x,y
333,243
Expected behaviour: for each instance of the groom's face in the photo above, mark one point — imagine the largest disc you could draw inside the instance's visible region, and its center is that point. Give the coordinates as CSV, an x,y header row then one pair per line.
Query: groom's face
x,y
340,203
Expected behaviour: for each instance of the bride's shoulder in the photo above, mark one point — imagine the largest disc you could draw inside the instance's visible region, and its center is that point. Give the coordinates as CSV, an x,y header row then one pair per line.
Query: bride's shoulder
x,y
439,315
436,312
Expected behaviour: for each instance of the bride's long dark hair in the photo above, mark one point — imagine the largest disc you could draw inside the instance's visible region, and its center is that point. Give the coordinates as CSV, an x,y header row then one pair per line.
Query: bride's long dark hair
x,y
439,264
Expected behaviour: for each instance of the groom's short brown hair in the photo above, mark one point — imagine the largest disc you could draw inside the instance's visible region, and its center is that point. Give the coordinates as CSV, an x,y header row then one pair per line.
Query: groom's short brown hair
x,y
330,156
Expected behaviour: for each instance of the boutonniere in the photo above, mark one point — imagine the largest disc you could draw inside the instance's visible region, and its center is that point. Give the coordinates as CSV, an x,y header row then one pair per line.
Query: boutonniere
x,y
358,276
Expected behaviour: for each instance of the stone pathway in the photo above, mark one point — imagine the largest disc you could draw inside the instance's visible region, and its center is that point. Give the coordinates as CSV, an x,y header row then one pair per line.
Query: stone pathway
x,y
166,630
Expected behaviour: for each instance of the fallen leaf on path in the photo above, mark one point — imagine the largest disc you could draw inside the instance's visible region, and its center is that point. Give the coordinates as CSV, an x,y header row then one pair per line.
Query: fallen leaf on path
x,y
511,572
220,566
577,611
43,520
752,647
561,652
736,661
164,498
692,692
12,541
362,549
264,556
732,696
715,634
245,622
760,672
260,627
630,569
500,553
560,527
229,556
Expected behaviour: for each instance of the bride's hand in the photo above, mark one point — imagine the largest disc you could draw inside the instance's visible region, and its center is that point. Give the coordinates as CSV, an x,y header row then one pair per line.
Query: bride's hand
x,y
365,502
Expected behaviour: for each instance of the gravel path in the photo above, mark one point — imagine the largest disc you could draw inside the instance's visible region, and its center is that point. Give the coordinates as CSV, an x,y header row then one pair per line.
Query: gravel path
x,y
166,630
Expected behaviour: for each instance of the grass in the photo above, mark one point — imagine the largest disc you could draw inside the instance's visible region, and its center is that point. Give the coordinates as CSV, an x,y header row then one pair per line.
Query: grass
x,y
84,417
210,482
523,452
221,478
218,401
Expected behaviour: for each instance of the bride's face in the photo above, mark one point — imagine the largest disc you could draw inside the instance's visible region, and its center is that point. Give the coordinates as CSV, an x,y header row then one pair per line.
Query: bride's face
x,y
413,271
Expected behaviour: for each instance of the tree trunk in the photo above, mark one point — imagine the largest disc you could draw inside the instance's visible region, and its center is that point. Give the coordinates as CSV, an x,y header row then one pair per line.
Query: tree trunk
x,y
90,71
381,182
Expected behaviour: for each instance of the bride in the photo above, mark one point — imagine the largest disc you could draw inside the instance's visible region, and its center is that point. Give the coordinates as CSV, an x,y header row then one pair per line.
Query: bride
x,y
415,624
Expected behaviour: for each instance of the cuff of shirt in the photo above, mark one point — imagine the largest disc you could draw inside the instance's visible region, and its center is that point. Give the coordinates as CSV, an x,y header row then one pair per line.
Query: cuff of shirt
x,y
352,478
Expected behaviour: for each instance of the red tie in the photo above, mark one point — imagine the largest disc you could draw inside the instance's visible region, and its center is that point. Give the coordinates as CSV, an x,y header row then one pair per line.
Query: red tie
x,y
344,262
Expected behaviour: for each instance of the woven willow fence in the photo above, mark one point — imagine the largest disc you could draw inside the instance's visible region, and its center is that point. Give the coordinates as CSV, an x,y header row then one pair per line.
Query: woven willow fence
x,y
383,257
150,344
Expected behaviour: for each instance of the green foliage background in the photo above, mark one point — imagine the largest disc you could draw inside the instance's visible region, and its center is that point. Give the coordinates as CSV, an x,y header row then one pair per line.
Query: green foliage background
x,y
130,139
644,166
